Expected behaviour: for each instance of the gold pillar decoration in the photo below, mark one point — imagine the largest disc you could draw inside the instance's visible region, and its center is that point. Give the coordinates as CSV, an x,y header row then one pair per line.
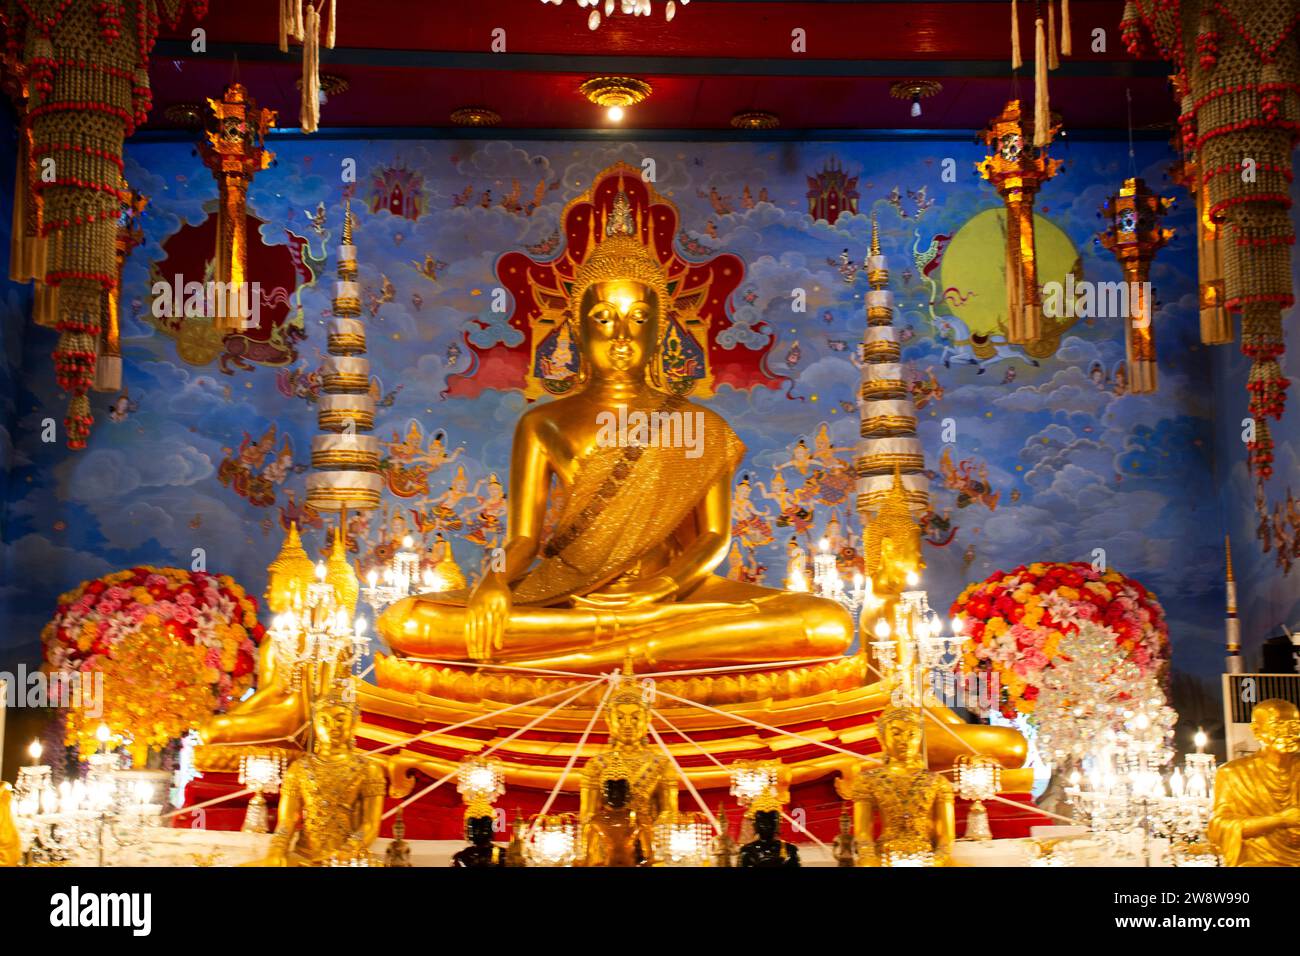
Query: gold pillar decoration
x,y
1017,169
234,149
84,67
1237,79
345,456
890,462
1134,236
108,363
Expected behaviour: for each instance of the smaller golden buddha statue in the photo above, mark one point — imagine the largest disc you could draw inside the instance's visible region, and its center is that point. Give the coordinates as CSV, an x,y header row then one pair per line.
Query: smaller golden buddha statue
x,y
278,709
398,853
11,849
481,852
1256,816
515,849
725,850
845,848
652,787
332,799
615,836
891,550
912,805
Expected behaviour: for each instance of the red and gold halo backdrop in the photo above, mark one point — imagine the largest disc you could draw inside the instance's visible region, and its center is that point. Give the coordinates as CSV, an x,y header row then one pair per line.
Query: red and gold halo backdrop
x,y
698,309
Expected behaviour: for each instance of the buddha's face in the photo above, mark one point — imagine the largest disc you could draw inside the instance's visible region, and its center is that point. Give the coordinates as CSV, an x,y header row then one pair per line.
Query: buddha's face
x,y
627,722
620,325
1276,725
901,740
333,726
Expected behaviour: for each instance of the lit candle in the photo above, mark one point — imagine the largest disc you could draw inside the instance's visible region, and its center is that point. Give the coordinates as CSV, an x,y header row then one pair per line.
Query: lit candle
x,y
882,629
958,625
102,733
34,750
1200,740
913,579
320,571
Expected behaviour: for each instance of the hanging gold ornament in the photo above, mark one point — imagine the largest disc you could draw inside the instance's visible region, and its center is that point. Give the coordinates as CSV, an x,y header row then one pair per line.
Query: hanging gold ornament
x,y
1238,83
1017,169
234,149
1134,236
84,69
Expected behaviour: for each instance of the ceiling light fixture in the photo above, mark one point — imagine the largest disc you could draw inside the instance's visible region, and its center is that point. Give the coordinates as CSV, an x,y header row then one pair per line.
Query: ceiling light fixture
x,y
475,116
615,94
915,90
755,119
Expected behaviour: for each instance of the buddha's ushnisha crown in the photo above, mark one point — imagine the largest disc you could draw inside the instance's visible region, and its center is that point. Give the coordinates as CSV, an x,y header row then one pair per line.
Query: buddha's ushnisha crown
x,y
617,253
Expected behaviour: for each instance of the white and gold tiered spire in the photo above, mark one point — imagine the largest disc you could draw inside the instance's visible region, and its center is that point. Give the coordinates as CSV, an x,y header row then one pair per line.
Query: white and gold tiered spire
x,y
889,443
345,457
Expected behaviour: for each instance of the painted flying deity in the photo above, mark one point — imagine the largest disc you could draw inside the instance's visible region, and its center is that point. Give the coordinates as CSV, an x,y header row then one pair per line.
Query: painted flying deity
x,y
486,521
749,524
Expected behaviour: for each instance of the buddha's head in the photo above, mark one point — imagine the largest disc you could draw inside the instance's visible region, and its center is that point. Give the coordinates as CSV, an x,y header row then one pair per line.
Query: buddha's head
x,y
629,718
618,323
334,721
479,829
900,734
619,294
767,824
1276,725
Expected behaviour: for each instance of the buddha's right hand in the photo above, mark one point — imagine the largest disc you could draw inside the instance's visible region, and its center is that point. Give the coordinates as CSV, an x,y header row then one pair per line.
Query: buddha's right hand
x,y
485,617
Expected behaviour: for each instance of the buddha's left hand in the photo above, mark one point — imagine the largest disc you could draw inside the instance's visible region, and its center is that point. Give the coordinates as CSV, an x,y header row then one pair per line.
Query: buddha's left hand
x,y
650,591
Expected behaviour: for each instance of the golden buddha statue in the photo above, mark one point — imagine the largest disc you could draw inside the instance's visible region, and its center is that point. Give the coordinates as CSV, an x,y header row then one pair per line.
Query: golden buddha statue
x,y
913,805
615,835
651,783
891,550
332,799
278,709
11,848
1256,816
646,519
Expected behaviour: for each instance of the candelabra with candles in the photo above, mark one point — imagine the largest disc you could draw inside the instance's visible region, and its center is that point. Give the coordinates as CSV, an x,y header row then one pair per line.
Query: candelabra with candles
x,y
914,654
552,840
398,579
752,779
319,632
1129,799
683,839
107,810
262,774
827,582
979,778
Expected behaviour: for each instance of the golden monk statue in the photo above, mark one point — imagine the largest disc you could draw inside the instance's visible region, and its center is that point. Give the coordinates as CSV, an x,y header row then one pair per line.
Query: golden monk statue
x,y
11,848
332,799
650,781
913,805
1256,817
647,479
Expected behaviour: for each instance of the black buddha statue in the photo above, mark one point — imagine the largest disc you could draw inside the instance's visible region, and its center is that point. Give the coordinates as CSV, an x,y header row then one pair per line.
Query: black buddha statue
x,y
481,851
768,849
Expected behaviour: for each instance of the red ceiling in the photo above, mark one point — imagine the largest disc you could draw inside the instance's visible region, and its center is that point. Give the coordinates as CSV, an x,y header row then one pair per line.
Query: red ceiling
x,y
409,63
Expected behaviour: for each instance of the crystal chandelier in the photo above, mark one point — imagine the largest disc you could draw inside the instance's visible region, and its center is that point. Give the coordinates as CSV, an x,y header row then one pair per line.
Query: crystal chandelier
x,y
979,778
914,655
683,839
754,779
828,584
636,8
552,840
399,578
318,630
262,774
480,781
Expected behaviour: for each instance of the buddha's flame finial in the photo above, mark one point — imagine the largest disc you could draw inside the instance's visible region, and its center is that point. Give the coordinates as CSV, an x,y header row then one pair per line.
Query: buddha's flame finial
x,y
347,221
875,236
1227,549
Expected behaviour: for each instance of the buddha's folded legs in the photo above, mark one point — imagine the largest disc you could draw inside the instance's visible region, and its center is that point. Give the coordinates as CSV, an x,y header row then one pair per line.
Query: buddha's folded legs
x,y
750,625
